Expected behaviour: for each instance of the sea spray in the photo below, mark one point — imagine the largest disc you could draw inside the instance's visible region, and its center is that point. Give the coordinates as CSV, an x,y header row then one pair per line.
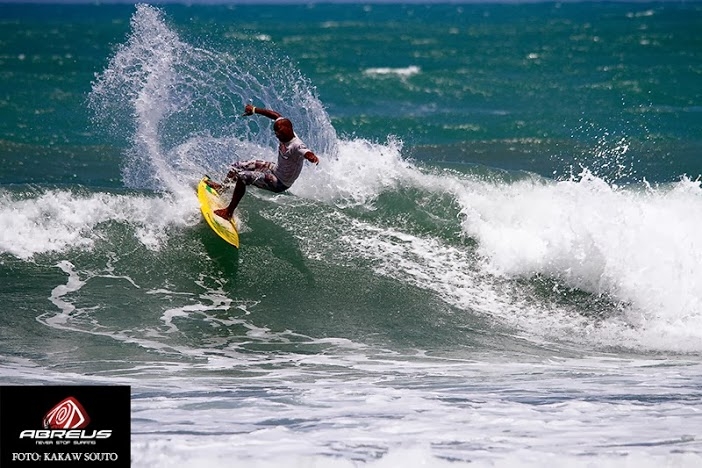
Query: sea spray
x,y
179,105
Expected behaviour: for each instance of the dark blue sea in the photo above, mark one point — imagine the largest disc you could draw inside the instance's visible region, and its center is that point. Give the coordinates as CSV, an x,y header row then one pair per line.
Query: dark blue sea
x,y
497,262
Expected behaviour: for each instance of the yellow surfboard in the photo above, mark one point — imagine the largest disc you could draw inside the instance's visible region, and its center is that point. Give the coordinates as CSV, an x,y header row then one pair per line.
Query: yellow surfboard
x,y
211,200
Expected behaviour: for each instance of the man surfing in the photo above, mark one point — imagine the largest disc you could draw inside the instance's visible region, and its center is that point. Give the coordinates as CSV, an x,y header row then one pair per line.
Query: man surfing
x,y
276,177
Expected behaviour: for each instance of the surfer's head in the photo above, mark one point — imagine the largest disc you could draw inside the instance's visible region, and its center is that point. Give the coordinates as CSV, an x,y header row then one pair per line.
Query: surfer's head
x,y
283,130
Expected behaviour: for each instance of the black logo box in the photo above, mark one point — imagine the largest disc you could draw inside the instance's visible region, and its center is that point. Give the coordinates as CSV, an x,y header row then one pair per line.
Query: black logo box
x,y
23,408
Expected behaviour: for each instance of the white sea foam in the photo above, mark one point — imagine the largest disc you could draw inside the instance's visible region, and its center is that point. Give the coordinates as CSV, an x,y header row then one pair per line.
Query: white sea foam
x,y
436,413
640,248
359,172
391,410
403,72
56,220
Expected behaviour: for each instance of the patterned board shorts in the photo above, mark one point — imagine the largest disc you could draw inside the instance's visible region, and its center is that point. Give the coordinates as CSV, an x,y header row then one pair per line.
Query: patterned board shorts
x,y
258,173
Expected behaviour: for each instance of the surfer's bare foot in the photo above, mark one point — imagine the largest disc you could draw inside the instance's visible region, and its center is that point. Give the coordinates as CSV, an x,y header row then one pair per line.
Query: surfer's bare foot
x,y
214,185
223,213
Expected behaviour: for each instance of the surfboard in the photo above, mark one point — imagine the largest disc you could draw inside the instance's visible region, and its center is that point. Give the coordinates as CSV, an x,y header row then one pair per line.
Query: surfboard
x,y
210,200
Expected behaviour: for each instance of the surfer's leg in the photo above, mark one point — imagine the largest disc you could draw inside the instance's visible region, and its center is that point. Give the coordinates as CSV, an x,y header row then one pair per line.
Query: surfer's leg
x,y
261,179
254,167
239,191
269,181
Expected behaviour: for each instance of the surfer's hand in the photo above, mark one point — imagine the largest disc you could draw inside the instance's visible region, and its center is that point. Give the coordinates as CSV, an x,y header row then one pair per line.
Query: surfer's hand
x,y
249,109
231,175
311,157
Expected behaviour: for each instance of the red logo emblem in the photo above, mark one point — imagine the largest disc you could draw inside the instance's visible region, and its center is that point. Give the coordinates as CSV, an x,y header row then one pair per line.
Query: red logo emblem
x,y
69,414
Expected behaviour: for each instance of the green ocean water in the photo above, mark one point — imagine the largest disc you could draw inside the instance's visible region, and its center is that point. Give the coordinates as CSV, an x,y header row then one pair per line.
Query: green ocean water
x,y
564,80
495,263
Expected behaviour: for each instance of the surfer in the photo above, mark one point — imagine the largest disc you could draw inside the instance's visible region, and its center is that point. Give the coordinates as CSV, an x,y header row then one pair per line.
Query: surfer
x,y
276,177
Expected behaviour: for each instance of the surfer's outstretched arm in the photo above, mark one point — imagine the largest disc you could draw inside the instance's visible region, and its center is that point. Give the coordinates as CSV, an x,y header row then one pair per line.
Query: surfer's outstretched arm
x,y
251,110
